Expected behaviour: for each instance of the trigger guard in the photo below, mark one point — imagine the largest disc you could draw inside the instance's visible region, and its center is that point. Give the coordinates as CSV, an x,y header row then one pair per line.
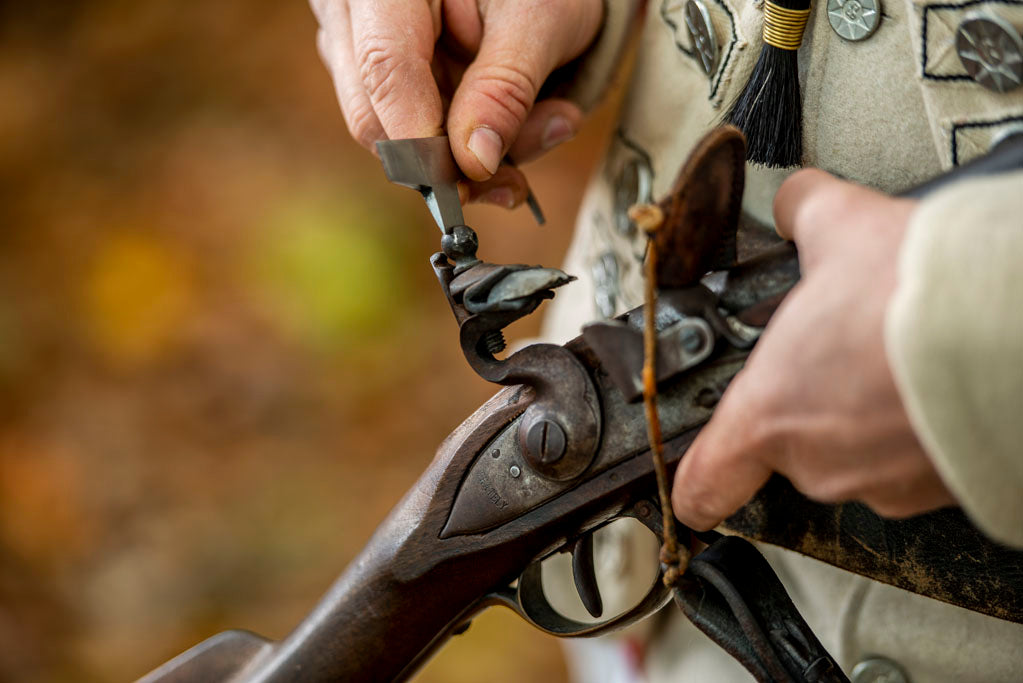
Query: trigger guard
x,y
529,601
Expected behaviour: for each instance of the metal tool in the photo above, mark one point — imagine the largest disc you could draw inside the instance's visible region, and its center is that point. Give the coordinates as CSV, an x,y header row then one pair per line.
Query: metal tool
x,y
426,165
531,201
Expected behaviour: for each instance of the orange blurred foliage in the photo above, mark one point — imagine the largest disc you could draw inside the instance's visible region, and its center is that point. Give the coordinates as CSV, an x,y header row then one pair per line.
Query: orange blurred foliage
x,y
223,354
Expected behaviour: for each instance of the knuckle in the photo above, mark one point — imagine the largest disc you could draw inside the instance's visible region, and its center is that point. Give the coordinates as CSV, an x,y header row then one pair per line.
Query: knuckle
x,y
702,509
891,508
752,408
825,489
362,124
511,87
820,490
695,498
834,199
378,61
760,433
819,206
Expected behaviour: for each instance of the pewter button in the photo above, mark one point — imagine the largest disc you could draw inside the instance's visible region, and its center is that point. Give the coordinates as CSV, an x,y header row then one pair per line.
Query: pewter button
x,y
991,51
878,670
701,33
633,186
854,19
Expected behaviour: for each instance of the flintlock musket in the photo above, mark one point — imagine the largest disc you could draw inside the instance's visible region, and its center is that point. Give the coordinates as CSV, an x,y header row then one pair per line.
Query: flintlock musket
x,y
562,450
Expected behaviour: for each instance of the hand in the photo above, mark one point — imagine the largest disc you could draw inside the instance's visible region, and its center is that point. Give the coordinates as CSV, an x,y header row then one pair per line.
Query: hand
x,y
817,401
480,82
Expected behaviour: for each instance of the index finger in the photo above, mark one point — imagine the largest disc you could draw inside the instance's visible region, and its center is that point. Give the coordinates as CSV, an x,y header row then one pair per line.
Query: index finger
x,y
393,47
802,203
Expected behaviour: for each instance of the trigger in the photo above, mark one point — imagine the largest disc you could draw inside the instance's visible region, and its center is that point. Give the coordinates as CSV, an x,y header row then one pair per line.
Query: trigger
x,y
585,575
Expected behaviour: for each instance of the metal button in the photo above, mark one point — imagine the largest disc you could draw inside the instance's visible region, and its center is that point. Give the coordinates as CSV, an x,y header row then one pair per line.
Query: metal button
x,y
633,186
991,51
701,33
854,19
878,670
605,281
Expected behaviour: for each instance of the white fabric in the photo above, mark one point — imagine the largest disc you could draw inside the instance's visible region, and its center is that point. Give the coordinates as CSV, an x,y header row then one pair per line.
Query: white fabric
x,y
873,115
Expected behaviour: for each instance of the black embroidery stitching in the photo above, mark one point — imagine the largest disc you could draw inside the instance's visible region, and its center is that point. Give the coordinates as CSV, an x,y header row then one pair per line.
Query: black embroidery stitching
x,y
634,146
716,82
956,127
674,31
923,34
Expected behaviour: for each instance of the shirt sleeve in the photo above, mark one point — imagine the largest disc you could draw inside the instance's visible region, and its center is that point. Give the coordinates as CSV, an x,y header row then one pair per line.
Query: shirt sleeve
x,y
954,339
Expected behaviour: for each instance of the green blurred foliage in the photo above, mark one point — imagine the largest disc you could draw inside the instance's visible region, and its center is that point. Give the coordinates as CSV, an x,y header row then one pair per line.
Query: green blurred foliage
x,y
335,272
223,353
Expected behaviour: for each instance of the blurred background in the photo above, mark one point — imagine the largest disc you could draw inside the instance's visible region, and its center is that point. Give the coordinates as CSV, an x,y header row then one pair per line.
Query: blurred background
x,y
223,353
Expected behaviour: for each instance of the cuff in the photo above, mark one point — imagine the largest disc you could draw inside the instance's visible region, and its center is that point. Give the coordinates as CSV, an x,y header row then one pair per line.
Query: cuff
x,y
954,340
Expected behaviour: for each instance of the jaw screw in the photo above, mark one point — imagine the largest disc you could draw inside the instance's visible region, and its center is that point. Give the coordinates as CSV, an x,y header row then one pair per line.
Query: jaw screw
x,y
494,342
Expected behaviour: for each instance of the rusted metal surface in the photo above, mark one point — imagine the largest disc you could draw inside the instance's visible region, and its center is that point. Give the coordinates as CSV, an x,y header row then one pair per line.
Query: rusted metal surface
x,y
685,341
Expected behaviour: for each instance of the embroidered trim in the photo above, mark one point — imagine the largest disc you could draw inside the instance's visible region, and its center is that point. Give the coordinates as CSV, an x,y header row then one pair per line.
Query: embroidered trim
x,y
956,127
923,34
634,146
716,80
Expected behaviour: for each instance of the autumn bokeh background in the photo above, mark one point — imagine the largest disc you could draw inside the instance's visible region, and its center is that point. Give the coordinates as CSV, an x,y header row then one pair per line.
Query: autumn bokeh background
x,y
223,353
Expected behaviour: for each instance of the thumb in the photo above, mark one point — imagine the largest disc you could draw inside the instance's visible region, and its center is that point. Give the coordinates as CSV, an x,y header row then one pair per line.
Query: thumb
x,y
518,51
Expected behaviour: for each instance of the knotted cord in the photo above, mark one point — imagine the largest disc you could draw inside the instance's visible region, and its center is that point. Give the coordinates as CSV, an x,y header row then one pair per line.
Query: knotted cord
x,y
675,558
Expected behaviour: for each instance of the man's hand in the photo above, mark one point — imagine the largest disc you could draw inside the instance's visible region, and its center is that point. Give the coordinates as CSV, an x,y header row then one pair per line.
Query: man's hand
x,y
480,82
816,401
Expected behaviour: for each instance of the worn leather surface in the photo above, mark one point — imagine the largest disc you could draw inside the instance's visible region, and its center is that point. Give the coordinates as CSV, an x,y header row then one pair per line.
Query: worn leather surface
x,y
941,554
702,210
731,594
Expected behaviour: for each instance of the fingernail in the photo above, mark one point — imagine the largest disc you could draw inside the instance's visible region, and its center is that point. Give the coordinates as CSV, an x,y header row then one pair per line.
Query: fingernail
x,y
557,130
501,196
486,144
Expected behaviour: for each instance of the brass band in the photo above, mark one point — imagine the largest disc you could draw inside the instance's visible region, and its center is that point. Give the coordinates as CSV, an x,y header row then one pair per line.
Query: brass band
x,y
783,27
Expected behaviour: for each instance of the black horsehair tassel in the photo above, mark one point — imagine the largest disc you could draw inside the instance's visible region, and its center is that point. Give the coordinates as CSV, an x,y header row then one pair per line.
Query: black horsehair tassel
x,y
770,110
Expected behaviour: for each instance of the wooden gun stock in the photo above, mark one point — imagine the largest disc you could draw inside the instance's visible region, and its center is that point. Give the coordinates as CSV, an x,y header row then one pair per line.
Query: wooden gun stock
x,y
409,589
